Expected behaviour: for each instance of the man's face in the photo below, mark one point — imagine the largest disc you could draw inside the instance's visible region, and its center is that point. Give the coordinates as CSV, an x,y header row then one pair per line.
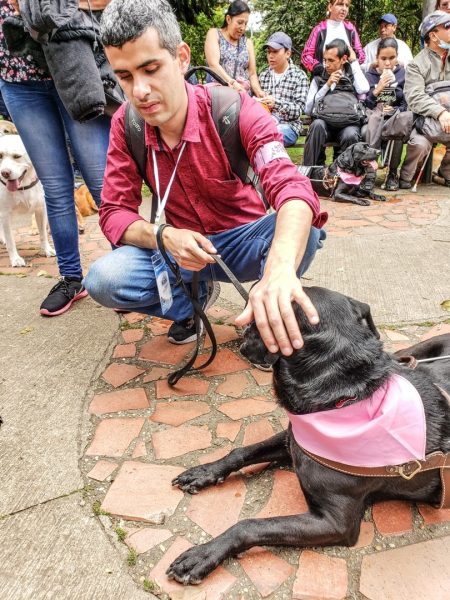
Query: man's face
x,y
387,30
152,79
440,34
332,62
278,59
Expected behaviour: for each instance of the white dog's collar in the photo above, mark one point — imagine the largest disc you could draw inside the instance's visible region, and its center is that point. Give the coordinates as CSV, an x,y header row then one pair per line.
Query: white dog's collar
x,y
25,187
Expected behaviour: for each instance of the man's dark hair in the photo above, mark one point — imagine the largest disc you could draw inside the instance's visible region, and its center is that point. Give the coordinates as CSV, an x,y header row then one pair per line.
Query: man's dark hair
x,y
387,43
125,20
341,47
238,7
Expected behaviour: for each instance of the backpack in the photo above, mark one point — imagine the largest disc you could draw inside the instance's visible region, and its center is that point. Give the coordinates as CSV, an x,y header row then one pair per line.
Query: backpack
x,y
225,108
339,109
430,127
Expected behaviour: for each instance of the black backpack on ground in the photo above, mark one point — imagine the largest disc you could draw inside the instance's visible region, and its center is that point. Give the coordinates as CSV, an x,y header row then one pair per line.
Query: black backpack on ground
x,y
225,109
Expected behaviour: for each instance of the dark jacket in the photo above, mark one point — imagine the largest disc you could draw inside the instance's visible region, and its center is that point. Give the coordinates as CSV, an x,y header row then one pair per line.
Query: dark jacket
x,y
393,97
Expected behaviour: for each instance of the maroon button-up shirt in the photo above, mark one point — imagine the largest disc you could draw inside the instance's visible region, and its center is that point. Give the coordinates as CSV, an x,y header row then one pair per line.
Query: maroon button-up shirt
x,y
206,196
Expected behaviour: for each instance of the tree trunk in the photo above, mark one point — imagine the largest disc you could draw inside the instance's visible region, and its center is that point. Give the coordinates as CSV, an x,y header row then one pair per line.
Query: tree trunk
x,y
428,7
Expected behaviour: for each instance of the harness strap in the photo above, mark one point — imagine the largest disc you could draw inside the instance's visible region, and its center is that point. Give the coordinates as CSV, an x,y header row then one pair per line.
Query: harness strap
x,y
25,187
435,460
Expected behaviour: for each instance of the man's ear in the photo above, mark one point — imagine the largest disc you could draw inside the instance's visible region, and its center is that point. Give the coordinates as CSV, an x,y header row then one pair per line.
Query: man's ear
x,y
184,56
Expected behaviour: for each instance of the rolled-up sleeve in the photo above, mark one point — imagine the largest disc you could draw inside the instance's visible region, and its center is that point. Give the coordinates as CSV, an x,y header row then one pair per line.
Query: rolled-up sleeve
x,y
279,177
122,184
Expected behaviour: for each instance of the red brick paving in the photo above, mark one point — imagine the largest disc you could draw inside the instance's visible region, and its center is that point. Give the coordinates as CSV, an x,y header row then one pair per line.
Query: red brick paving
x,y
128,399
142,491
177,413
185,387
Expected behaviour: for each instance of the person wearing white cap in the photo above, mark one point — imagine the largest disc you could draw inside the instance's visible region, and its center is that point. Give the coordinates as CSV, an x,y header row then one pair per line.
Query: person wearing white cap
x,y
431,65
285,86
387,28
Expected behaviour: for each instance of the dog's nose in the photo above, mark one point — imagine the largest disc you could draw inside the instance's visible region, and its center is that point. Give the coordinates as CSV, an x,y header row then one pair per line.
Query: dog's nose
x,y
6,174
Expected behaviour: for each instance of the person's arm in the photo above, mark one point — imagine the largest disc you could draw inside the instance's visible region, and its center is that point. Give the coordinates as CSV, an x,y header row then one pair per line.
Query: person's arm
x,y
290,103
252,74
212,55
404,53
292,196
311,97
270,300
360,82
357,46
371,99
309,60
418,100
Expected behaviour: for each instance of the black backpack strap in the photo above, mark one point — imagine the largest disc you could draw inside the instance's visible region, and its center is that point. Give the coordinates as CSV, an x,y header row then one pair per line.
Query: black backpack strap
x,y
225,109
135,138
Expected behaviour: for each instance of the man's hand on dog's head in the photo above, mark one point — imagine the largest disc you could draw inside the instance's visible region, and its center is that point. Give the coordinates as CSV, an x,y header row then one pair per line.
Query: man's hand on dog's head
x,y
190,249
270,306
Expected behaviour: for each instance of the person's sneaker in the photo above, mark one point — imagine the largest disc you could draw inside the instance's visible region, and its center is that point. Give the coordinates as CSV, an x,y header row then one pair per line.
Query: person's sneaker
x,y
392,183
404,185
183,332
62,296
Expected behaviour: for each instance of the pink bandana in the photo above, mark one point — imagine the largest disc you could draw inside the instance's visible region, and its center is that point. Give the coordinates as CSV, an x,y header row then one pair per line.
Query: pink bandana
x,y
387,428
352,179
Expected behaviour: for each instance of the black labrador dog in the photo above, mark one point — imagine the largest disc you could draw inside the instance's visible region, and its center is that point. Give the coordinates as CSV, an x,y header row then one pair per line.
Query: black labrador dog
x,y
342,357
357,161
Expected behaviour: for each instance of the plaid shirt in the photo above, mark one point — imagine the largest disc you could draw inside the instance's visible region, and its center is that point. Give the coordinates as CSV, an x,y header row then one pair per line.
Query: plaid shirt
x,y
289,92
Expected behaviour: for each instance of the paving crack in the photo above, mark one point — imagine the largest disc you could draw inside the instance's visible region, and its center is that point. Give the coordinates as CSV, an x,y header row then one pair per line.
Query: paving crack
x,y
21,510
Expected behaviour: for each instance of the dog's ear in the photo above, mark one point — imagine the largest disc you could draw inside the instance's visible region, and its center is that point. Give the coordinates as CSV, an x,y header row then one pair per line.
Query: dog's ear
x,y
253,347
346,160
363,311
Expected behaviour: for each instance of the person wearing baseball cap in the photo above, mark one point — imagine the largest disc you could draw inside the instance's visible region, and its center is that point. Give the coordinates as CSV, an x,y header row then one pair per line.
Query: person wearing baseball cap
x,y
285,87
387,28
431,65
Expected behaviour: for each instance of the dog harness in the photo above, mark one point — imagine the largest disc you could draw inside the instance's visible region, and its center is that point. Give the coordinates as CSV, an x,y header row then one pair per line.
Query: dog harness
x,y
383,435
351,178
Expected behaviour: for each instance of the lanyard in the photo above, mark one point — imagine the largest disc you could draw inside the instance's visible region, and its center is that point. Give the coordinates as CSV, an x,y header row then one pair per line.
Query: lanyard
x,y
162,203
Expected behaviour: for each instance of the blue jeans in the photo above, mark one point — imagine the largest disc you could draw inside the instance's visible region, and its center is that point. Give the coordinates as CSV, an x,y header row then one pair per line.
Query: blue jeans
x,y
42,122
125,278
289,135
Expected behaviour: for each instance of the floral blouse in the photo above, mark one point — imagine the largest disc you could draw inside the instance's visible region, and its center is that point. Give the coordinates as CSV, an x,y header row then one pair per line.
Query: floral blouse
x,y
14,68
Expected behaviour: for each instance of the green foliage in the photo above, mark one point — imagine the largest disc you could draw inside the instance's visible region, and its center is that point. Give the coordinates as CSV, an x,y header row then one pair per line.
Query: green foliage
x,y
195,35
121,534
132,558
149,585
298,17
188,10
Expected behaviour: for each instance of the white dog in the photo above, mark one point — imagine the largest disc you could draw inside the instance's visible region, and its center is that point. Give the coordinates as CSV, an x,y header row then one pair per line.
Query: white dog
x,y
20,192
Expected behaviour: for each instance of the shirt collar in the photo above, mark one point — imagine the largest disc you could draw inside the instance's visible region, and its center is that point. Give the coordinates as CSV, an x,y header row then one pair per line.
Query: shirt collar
x,y
191,132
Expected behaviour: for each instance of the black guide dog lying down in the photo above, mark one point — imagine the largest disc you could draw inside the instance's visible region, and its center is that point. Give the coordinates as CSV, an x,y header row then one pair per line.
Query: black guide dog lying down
x,y
358,161
341,367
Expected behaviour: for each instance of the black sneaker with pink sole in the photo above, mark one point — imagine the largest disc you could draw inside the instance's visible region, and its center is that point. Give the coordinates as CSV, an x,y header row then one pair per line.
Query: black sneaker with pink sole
x,y
61,297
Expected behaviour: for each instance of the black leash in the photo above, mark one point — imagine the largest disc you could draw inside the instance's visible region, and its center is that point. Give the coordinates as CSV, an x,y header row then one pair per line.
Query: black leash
x,y
199,313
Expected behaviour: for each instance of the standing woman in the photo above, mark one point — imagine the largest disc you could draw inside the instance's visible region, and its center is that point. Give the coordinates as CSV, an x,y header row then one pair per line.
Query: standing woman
x,y
230,53
387,80
334,27
43,122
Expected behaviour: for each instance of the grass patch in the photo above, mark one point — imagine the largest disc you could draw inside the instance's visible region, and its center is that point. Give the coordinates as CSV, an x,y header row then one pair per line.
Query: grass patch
x,y
121,533
124,325
148,585
132,558
98,510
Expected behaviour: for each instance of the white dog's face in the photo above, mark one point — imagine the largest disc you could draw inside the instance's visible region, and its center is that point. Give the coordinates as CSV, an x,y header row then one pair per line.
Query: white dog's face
x,y
16,169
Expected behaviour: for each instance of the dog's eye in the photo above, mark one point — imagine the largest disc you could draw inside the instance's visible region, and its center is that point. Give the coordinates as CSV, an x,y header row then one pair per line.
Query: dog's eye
x,y
17,156
1,155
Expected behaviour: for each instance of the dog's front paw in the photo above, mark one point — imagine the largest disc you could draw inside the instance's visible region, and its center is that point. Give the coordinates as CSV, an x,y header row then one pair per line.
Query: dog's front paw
x,y
17,261
195,479
195,564
379,198
362,201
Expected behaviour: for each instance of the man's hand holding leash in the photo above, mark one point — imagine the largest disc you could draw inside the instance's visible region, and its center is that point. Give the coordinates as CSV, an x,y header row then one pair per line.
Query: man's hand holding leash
x,y
270,302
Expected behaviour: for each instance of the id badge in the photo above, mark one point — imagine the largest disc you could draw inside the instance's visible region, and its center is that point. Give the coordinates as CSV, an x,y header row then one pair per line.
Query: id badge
x,y
162,282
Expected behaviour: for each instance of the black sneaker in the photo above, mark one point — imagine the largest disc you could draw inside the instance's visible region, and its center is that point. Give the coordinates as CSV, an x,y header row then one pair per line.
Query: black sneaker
x,y
391,184
183,332
62,296
404,185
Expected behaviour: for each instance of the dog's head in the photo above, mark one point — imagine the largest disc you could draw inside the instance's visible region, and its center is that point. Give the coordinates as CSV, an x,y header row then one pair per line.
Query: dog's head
x,y
16,169
342,356
7,128
357,157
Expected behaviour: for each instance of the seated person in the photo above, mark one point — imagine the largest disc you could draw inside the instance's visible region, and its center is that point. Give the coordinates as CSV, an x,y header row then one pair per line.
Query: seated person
x,y
285,87
340,74
431,65
207,208
388,27
386,79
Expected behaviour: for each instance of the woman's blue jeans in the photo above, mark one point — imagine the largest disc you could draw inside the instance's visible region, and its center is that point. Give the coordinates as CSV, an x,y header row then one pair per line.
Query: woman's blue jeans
x,y
42,122
125,277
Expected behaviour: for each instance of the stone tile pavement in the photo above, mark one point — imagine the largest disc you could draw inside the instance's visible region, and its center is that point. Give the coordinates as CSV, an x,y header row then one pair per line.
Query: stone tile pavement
x,y
144,433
